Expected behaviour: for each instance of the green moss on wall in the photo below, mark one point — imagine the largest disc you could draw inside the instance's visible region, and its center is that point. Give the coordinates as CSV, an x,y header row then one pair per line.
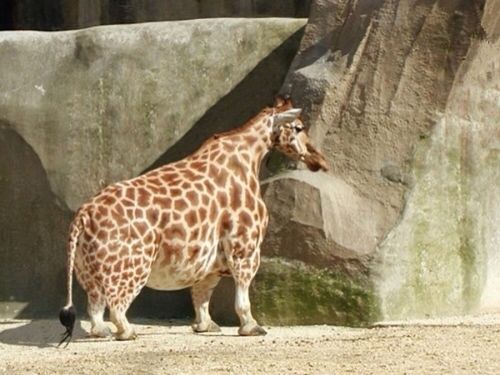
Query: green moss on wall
x,y
287,293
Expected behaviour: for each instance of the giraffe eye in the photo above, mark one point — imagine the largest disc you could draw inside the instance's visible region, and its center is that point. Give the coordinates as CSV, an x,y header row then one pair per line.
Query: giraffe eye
x,y
299,128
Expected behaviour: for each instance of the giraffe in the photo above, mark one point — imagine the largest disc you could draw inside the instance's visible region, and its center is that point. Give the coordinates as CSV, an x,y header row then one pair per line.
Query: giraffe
x,y
185,224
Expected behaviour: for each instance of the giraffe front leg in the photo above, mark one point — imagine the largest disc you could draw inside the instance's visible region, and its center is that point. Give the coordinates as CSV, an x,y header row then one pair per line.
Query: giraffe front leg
x,y
248,325
201,293
243,270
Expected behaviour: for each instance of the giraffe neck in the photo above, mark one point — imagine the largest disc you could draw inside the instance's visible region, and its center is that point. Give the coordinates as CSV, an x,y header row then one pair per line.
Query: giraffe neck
x,y
253,138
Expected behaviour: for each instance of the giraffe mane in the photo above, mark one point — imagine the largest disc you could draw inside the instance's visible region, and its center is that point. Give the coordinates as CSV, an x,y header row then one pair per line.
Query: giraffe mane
x,y
282,107
266,111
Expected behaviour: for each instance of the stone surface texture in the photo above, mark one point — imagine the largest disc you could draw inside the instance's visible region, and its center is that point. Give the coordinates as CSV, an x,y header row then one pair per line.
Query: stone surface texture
x,y
402,97
444,255
100,105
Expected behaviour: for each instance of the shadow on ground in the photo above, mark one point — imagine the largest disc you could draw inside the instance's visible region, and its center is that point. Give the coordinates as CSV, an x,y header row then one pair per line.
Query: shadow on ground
x,y
47,333
39,333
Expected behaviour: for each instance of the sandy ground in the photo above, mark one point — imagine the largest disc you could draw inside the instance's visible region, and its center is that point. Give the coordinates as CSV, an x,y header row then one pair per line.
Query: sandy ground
x,y
467,345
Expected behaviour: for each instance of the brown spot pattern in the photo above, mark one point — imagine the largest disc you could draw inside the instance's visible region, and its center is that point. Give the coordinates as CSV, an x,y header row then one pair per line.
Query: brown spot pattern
x,y
165,217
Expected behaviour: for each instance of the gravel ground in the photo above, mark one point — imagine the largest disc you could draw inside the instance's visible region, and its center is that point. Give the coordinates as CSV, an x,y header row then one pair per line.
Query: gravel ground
x,y
466,345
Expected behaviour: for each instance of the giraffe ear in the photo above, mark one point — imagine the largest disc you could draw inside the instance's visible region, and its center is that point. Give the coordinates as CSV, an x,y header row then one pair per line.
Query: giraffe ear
x,y
287,116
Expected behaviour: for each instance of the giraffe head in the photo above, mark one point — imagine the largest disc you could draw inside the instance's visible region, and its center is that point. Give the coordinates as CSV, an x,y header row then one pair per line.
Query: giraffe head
x,y
290,136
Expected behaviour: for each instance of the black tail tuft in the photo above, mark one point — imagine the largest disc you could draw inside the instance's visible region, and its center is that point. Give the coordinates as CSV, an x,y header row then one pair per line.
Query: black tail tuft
x,y
67,316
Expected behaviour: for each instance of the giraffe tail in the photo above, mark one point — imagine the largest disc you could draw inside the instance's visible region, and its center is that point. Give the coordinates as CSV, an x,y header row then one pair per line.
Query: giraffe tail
x,y
67,315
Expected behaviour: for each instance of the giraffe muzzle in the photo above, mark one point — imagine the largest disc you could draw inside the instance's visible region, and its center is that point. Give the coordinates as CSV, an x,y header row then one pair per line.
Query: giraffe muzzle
x,y
314,160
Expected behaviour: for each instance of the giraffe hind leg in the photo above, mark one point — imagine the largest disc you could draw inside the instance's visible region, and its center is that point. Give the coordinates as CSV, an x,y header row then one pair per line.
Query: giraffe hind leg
x,y
121,291
201,292
124,329
119,303
96,307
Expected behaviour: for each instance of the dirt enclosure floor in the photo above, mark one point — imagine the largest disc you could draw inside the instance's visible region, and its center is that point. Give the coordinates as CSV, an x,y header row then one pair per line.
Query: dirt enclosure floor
x,y
466,345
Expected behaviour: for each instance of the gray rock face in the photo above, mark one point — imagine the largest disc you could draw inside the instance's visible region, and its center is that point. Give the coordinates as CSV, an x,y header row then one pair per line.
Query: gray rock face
x,y
81,109
365,102
33,228
444,255
375,78
318,221
100,105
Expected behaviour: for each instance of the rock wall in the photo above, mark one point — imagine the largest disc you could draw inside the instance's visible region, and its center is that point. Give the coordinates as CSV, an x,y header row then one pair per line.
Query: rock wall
x,y
82,109
443,257
33,230
399,210
101,104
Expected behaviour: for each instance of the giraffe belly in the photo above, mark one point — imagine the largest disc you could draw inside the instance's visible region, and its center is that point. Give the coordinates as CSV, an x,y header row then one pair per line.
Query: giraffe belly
x,y
167,279
183,272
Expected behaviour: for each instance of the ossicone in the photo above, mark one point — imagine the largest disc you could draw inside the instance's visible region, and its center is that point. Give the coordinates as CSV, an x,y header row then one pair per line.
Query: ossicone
x,y
283,102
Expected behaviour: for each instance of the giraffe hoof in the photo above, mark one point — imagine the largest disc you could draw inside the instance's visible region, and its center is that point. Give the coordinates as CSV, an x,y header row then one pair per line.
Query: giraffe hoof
x,y
101,332
253,331
125,336
205,327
